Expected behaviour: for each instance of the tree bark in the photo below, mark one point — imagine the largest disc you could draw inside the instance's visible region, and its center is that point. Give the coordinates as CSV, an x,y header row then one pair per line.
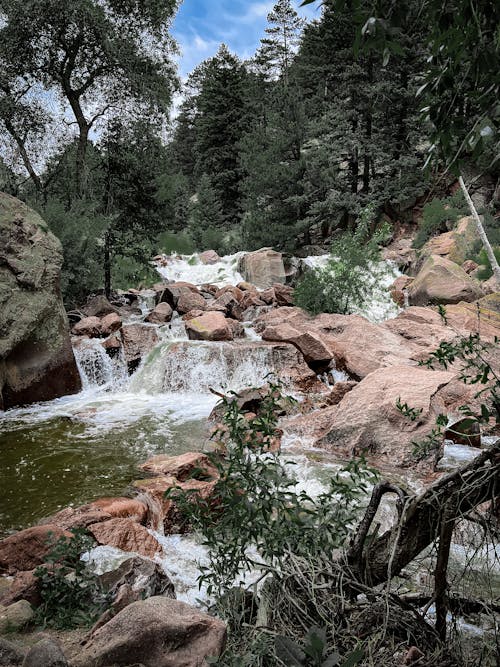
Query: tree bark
x,y
420,521
107,266
441,571
480,230
24,155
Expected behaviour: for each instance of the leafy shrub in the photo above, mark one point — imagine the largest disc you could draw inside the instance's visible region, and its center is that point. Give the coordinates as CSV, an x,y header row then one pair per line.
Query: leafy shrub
x,y
482,259
129,272
348,279
71,594
257,504
437,214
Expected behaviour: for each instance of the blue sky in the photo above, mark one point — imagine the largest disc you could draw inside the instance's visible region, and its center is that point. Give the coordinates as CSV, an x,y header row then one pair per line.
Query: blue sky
x,y
201,25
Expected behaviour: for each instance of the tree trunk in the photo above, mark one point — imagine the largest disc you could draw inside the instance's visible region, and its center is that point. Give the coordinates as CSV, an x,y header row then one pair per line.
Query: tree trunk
x,y
441,571
107,265
420,522
24,155
480,230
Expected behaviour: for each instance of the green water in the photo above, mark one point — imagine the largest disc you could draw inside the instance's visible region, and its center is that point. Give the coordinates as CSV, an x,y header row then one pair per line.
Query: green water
x,y
63,460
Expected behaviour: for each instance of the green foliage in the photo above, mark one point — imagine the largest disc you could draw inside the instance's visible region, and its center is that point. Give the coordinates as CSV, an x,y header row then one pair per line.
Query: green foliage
x,y
346,282
314,652
422,448
438,216
407,411
128,272
482,259
176,242
71,595
255,505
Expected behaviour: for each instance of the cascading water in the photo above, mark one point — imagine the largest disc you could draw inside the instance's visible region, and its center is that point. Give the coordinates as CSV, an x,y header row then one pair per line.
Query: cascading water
x,y
97,368
196,367
191,269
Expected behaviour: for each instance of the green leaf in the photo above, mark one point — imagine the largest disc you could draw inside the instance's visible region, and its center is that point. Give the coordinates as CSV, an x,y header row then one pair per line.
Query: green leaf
x,y
354,658
289,652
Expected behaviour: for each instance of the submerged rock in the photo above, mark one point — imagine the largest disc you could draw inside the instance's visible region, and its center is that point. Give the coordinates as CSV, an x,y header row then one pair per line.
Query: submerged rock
x,y
160,314
209,257
157,632
36,358
138,341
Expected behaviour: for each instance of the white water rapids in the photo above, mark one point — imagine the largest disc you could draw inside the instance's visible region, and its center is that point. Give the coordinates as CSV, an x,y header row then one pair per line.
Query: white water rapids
x,y
88,445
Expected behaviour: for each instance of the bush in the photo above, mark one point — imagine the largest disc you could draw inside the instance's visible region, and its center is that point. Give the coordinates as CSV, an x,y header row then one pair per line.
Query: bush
x,y
71,594
437,215
347,280
176,242
482,259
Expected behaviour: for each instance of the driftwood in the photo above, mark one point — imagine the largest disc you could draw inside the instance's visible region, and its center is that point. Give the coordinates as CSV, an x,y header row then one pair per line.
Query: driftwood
x,y
421,518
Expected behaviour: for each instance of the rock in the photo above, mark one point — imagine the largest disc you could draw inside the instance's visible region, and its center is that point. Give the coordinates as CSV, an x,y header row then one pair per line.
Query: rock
x,y
236,327
36,358
263,268
464,431
160,314
401,283
88,326
315,351
209,257
268,296
157,632
189,300
283,295
250,300
340,389
145,577
491,286
367,420
469,266
455,245
10,653
45,653
441,281
355,345
99,306
192,465
110,323
192,314
247,287
210,326
25,586
138,341
401,252
121,508
112,345
172,292
28,548
16,616
229,304
127,535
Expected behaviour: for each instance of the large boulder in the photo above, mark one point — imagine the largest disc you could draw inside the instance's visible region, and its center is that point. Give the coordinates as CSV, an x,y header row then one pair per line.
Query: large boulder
x,y
456,245
157,632
368,421
36,358
441,281
127,535
138,340
352,343
212,325
263,268
28,548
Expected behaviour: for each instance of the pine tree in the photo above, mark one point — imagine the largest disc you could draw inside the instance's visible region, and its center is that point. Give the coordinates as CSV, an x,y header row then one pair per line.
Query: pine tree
x,y
219,126
277,50
207,218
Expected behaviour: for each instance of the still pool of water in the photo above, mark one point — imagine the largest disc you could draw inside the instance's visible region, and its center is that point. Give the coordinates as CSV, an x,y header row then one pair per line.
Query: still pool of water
x,y
82,447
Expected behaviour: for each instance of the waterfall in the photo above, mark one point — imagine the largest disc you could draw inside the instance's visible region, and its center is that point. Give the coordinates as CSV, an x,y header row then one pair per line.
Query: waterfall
x,y
97,368
195,367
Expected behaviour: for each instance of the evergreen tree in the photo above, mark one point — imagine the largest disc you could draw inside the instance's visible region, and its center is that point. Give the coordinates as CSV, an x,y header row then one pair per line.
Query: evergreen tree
x,y
207,218
277,50
219,126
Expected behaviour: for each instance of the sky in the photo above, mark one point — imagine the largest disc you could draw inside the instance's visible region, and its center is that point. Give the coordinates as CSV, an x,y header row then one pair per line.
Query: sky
x,y
201,25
